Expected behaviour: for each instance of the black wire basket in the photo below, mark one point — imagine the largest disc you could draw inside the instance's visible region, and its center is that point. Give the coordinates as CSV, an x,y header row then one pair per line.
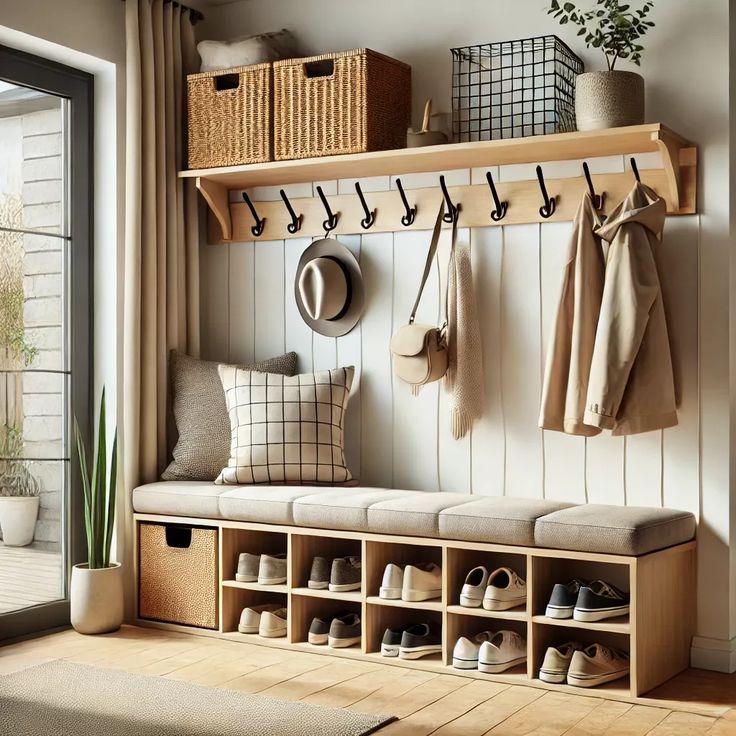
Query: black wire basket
x,y
512,89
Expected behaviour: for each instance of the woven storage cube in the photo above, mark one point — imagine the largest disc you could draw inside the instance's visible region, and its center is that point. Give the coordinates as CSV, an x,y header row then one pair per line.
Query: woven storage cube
x,y
177,574
349,102
230,117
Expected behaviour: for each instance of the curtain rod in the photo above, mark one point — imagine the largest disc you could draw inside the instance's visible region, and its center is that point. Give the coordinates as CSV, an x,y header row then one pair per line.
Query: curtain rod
x,y
194,14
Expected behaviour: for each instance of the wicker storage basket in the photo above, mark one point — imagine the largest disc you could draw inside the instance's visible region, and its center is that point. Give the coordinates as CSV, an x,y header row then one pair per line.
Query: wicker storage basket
x,y
230,117
177,574
349,102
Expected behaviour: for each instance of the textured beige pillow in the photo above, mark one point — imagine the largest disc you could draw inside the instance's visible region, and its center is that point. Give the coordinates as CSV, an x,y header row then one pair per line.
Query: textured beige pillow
x,y
200,413
273,46
286,429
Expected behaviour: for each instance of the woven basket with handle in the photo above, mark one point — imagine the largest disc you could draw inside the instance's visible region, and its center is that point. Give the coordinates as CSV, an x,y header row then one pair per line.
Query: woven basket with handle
x,y
230,118
348,102
178,574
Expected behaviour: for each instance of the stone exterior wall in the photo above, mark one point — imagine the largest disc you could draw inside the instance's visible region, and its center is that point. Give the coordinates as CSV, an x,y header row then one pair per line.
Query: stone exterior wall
x,y
43,396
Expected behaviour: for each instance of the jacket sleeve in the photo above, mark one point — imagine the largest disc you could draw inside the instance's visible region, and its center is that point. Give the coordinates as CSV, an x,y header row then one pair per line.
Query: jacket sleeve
x,y
630,289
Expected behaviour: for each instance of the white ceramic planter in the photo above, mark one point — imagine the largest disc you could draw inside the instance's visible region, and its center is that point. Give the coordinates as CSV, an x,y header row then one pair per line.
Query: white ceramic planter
x,y
18,515
608,100
97,599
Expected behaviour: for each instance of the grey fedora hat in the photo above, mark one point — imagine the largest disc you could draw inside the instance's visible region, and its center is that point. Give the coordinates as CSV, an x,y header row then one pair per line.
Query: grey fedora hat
x,y
329,288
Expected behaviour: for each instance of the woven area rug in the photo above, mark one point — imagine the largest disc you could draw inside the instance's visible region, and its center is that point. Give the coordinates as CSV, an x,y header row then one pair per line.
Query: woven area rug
x,y
65,699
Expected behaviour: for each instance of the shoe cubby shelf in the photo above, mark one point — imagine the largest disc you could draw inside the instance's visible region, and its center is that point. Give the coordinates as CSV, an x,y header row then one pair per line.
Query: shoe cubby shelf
x,y
657,633
231,222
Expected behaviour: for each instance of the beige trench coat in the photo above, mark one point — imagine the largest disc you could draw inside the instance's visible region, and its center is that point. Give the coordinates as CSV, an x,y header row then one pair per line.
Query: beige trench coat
x,y
570,349
631,387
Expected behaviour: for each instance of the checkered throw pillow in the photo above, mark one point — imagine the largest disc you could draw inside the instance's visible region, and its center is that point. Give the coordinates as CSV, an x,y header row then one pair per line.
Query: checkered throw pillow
x,y
286,429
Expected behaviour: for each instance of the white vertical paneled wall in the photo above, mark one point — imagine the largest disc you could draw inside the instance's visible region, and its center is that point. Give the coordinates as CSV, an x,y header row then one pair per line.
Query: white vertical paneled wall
x,y
394,439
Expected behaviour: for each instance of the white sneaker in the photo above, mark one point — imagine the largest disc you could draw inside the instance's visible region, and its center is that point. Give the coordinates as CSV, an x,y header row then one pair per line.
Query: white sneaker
x,y
273,623
505,650
272,569
422,582
474,588
597,664
556,662
393,580
505,590
465,653
250,618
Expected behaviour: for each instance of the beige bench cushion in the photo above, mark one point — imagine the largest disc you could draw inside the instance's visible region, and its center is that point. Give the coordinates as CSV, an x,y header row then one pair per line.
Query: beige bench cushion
x,y
622,530
343,509
415,514
265,504
496,519
179,498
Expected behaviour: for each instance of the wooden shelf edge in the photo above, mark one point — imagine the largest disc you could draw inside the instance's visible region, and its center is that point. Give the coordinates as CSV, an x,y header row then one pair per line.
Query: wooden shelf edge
x,y
255,586
531,149
513,614
613,626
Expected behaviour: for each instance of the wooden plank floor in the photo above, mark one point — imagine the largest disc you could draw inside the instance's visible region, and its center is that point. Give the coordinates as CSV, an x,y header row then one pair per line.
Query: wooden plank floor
x,y
426,703
28,576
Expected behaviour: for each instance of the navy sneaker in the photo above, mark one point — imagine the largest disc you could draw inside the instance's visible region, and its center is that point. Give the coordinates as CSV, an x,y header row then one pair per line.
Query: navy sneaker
x,y
563,599
600,600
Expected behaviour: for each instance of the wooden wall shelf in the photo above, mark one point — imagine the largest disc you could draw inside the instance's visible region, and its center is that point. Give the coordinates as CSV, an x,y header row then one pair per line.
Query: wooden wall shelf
x,y
676,181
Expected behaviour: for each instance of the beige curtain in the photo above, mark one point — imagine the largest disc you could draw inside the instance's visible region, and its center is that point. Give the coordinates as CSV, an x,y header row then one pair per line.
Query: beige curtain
x,y
161,278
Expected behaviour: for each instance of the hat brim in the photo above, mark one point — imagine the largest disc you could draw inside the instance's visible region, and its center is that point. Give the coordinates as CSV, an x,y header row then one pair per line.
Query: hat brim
x,y
345,323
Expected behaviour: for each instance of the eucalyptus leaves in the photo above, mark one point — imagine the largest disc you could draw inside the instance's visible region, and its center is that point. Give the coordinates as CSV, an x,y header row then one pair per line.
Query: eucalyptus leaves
x,y
612,26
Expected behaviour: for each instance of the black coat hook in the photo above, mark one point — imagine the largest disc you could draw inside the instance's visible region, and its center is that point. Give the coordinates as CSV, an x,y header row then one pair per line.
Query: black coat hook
x,y
370,215
548,208
453,211
257,229
597,198
296,220
331,222
635,169
500,207
411,212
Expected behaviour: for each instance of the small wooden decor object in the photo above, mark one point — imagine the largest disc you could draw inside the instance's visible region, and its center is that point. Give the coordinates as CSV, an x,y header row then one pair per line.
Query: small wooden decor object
x,y
178,577
230,117
348,102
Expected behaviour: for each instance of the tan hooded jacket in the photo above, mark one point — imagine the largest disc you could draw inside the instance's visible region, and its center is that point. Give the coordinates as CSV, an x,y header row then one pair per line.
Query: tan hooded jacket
x,y
631,387
570,348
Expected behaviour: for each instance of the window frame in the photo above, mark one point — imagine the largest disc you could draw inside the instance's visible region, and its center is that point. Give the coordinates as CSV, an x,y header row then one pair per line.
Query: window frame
x,y
28,70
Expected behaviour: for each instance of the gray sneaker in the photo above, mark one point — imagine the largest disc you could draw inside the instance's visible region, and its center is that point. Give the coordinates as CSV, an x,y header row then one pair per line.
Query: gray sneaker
x,y
344,631
345,575
247,567
319,577
319,630
272,569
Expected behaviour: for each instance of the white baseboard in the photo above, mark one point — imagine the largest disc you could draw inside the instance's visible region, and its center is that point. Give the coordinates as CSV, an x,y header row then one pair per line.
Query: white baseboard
x,y
718,655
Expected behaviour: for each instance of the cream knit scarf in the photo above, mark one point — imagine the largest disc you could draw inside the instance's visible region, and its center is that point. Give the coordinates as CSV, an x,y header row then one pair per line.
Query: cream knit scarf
x,y
464,378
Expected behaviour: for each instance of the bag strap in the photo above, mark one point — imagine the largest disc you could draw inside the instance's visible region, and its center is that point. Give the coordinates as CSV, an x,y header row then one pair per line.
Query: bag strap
x,y
450,265
430,258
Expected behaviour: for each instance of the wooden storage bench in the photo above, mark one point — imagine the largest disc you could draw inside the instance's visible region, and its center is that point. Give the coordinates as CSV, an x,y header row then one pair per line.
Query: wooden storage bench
x,y
657,634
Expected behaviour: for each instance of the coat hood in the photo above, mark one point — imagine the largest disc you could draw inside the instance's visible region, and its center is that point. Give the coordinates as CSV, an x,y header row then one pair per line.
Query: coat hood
x,y
643,206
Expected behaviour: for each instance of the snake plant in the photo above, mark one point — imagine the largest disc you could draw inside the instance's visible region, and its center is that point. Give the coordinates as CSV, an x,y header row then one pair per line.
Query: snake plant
x,y
99,492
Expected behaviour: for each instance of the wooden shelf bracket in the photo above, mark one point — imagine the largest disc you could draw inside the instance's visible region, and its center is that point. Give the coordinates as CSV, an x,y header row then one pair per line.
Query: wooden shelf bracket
x,y
217,197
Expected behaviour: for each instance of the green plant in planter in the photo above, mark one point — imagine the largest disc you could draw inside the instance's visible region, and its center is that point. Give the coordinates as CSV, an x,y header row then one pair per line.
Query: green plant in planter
x,y
15,479
612,26
100,491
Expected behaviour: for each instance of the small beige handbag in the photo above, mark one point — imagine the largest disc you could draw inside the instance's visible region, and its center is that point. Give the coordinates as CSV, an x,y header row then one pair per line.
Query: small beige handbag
x,y
420,351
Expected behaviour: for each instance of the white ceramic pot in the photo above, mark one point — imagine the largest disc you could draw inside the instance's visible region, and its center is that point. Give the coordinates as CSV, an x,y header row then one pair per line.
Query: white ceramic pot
x,y
608,100
97,599
18,515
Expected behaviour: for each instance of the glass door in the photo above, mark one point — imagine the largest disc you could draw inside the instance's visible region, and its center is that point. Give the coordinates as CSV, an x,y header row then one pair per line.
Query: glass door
x,y
45,349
